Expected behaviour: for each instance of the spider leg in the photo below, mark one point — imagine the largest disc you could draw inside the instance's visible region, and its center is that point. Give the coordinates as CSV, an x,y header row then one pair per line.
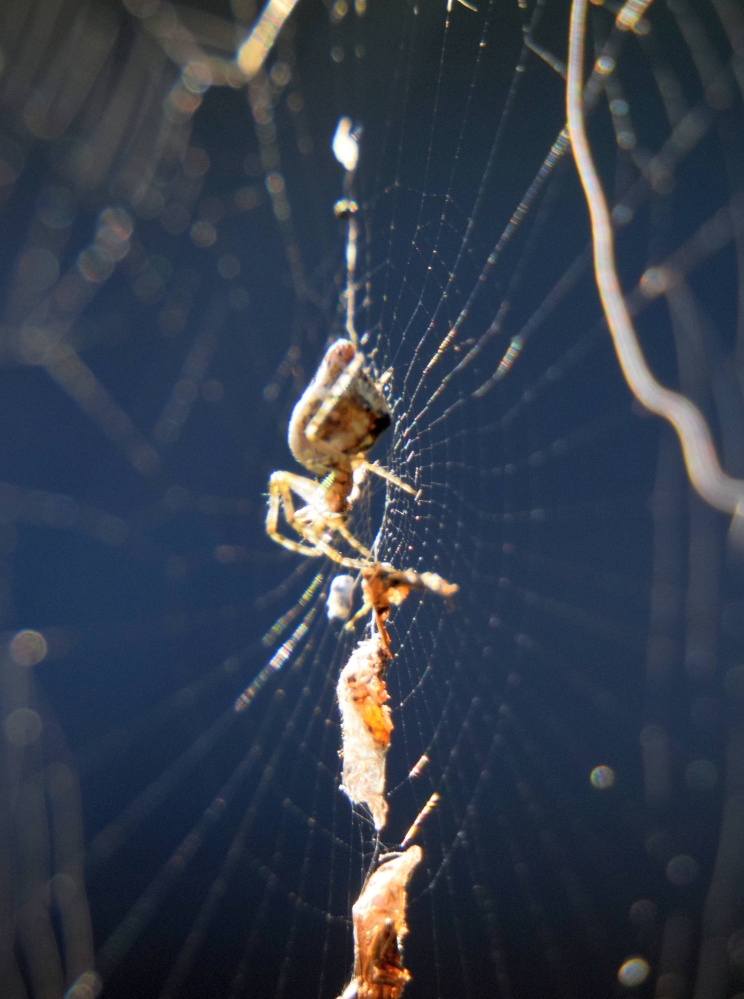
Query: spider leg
x,y
381,629
280,496
314,531
351,540
364,609
339,559
388,476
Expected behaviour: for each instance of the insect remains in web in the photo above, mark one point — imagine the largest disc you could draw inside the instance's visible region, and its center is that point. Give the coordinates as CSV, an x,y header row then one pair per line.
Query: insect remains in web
x,y
366,727
379,917
366,719
384,587
340,598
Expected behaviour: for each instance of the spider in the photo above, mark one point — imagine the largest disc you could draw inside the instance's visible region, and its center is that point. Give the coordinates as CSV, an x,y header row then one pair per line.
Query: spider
x,y
338,418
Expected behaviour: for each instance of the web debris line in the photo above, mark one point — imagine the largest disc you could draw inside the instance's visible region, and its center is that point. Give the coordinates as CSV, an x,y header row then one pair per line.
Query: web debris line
x,y
421,817
445,707
555,154
281,656
279,626
236,855
705,473
505,117
711,237
495,145
559,148
124,936
426,174
565,283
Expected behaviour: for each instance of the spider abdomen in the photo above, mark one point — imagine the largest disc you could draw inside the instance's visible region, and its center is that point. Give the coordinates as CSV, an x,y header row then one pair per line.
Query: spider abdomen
x,y
342,412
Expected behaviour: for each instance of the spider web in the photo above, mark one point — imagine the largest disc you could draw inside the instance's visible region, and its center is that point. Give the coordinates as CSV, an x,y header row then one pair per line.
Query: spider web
x,y
172,273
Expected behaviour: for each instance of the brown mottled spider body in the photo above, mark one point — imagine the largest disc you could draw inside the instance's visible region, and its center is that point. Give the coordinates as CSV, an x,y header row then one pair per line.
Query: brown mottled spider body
x,y
338,418
340,414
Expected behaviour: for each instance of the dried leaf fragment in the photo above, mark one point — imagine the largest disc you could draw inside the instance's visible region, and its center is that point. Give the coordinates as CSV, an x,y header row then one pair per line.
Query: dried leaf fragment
x,y
379,916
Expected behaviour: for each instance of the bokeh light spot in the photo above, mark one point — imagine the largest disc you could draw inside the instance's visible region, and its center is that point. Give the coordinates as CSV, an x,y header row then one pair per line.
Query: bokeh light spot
x,y
228,266
28,647
274,183
633,972
94,265
203,234
643,912
247,198
22,727
181,103
296,102
682,870
197,162
86,986
280,74
602,777
197,76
